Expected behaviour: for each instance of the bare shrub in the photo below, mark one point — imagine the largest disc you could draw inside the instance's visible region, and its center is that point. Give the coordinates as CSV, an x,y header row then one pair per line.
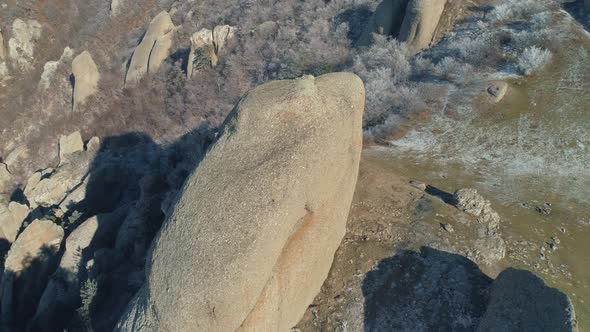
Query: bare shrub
x,y
533,59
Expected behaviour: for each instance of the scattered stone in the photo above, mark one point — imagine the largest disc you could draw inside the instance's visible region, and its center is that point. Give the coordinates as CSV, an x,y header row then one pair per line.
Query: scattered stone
x,y
420,23
563,230
86,77
520,301
160,27
418,185
544,209
28,265
22,44
497,90
69,144
256,243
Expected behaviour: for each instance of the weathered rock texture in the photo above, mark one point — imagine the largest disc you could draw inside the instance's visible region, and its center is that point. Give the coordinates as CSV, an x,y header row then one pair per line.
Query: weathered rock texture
x,y
86,77
420,23
51,67
11,219
158,38
69,144
286,167
5,178
28,265
490,245
3,66
22,44
208,46
520,301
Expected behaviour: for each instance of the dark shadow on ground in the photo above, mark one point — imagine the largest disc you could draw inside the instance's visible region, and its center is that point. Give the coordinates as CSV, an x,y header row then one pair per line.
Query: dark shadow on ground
x,y
577,11
131,182
443,195
432,290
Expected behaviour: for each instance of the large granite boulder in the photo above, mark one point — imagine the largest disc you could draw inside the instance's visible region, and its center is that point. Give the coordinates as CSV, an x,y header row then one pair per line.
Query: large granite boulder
x,y
28,266
6,180
86,77
520,301
11,219
158,33
254,232
420,23
21,47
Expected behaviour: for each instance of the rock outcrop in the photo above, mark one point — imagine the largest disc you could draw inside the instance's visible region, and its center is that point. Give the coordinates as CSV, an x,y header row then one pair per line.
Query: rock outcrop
x,y
489,245
51,67
86,77
69,144
3,66
21,46
420,23
520,301
11,219
208,46
62,292
28,265
256,259
496,91
153,49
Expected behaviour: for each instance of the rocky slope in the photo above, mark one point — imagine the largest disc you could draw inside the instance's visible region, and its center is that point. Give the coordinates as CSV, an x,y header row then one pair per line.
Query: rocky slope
x,y
146,184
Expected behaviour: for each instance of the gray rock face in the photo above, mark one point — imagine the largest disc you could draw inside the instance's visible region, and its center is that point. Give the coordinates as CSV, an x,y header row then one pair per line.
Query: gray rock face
x,y
420,23
86,78
69,144
520,301
28,265
208,46
158,33
256,259
22,44
51,67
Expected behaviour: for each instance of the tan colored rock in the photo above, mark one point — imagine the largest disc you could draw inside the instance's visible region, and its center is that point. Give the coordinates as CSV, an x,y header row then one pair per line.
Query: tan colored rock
x,y
200,40
160,52
496,91
160,26
51,67
6,180
22,44
34,180
69,144
256,259
116,7
28,265
52,190
420,23
11,220
223,35
86,78
18,154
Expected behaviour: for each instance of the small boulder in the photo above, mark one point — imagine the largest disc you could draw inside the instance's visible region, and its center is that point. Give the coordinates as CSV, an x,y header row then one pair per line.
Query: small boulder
x,y
22,44
86,77
6,180
260,255
69,144
11,220
520,301
28,265
497,90
139,66
420,23
51,67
